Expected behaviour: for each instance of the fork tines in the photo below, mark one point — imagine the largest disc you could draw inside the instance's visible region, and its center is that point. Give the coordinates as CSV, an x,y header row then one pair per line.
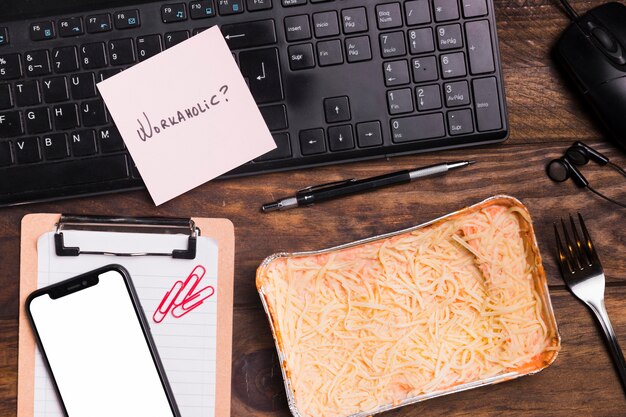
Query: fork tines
x,y
578,253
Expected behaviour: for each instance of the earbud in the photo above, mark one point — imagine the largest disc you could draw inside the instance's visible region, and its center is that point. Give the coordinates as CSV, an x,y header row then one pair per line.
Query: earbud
x,y
561,169
580,154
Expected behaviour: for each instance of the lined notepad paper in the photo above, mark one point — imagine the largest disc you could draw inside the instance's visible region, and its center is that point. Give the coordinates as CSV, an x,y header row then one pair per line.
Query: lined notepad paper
x,y
186,345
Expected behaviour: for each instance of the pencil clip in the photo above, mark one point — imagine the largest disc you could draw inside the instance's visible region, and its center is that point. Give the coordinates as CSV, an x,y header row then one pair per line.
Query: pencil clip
x,y
322,186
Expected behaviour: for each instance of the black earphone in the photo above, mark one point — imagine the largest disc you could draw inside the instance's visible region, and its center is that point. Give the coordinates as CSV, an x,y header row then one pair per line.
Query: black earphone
x,y
579,154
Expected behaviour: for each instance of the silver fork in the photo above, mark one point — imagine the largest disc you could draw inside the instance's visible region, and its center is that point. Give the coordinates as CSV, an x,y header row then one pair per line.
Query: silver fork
x,y
582,272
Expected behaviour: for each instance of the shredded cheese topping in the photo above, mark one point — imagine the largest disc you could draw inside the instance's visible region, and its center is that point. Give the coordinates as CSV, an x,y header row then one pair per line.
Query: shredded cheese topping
x,y
417,313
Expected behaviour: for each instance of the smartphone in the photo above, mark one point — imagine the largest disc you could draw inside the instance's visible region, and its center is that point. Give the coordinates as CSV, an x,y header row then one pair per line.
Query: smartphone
x,y
96,343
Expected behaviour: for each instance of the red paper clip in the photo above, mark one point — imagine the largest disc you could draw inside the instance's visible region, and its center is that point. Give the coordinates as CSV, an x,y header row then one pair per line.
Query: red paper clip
x,y
183,296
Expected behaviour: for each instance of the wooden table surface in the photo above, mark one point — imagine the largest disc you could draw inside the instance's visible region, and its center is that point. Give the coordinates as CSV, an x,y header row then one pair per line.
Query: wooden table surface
x,y
545,118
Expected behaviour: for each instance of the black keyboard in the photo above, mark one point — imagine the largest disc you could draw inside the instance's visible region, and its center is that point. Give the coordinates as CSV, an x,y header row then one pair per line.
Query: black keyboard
x,y
335,81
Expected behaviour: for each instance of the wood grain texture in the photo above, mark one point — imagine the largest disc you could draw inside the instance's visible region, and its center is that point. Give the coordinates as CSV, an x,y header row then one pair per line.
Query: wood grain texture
x,y
546,116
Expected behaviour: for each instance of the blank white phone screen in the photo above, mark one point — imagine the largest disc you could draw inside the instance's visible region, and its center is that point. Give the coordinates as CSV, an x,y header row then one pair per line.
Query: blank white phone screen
x,y
98,353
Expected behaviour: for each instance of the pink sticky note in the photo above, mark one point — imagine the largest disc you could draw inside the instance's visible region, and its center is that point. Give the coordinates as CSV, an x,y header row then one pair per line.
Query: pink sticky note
x,y
186,115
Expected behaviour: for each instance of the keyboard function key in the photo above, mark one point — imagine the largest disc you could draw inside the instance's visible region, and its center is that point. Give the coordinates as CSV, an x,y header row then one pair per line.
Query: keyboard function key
x,y
83,85
479,47
354,20
201,9
72,26
396,73
38,120
121,52
10,67
174,38
282,151
424,69
262,69
326,24
392,44
457,93
358,49
428,97
93,55
99,23
453,65
4,36
83,142
148,46
449,37
412,128
93,113
173,12
297,28
6,155
249,34
127,19
312,142
228,7
65,59
110,140
6,97
41,31
400,101
417,12
65,116
55,146
446,10
329,53
340,138
460,122
369,134
37,63
388,15
421,41
337,109
301,56
27,93
486,104
27,150
474,8
289,3
256,5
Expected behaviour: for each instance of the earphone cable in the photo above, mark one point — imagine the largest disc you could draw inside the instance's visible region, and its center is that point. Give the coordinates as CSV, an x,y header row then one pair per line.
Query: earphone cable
x,y
570,10
617,168
598,193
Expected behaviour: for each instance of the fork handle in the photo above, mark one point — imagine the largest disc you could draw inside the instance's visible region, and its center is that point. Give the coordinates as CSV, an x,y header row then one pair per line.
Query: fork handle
x,y
616,351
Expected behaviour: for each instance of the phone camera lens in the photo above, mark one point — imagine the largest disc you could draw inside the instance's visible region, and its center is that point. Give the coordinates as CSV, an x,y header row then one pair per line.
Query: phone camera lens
x,y
85,283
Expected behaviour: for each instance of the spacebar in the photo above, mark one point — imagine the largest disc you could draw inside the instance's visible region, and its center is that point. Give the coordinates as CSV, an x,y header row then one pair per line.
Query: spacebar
x,y
41,177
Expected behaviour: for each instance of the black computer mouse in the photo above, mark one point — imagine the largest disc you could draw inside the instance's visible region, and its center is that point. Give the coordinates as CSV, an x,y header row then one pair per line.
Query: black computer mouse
x,y
593,52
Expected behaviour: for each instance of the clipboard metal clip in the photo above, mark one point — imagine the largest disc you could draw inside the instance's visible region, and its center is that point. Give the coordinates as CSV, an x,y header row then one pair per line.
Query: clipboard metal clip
x,y
127,224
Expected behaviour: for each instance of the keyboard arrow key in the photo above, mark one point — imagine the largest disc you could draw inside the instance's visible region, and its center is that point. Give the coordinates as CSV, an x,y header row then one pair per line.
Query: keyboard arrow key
x,y
249,34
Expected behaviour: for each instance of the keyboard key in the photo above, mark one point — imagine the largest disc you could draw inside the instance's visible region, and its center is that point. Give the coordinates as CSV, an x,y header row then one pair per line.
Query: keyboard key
x,y
83,85
249,34
329,53
93,55
83,142
417,12
312,142
72,26
227,7
27,151
121,52
473,8
354,20
6,97
392,44
174,38
65,116
340,138
55,90
10,67
27,93
275,116
289,3
55,146
400,101
255,5
283,148
449,37
301,56
106,74
388,15
460,122
446,10
457,94
38,120
127,19
486,104
110,140
4,36
428,97
479,47
453,65
369,134
297,28
425,126
37,63
424,69
65,59
326,24
201,9
337,109
6,155
358,49
11,124
176,12
421,41
396,73
148,46
44,177
93,113
42,31
262,69
99,23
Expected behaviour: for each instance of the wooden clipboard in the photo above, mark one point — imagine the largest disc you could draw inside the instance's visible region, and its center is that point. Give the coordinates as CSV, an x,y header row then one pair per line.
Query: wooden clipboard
x,y
222,230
